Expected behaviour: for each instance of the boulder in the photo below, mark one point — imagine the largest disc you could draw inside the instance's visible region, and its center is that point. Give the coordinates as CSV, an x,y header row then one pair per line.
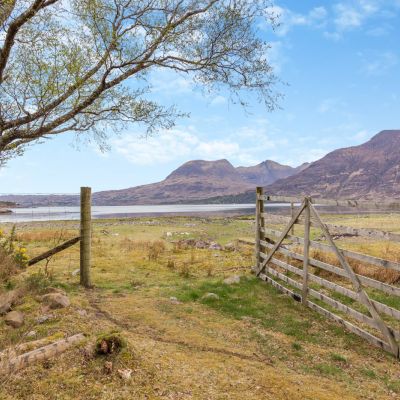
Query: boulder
x,y
8,299
56,300
14,319
213,296
232,279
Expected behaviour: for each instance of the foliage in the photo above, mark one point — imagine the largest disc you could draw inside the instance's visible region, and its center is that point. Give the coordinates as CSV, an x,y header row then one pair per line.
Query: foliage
x,y
10,248
72,65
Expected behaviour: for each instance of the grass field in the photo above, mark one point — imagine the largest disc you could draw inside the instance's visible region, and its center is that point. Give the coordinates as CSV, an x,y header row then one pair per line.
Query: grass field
x,y
251,342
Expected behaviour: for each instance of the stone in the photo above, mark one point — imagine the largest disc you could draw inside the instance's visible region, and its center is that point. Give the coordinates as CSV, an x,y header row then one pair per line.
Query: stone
x,y
31,334
230,247
232,279
82,312
108,367
125,374
75,272
213,296
56,300
174,300
169,234
43,318
215,246
7,300
14,319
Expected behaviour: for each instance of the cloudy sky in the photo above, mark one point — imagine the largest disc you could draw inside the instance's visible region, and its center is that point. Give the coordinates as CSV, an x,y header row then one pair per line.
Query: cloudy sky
x,y
340,67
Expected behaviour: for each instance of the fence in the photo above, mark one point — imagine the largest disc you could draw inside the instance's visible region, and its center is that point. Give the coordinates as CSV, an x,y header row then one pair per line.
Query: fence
x,y
84,238
277,263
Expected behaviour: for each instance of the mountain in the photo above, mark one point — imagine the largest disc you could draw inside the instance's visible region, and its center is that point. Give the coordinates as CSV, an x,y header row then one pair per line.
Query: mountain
x,y
268,172
370,170
193,182
196,181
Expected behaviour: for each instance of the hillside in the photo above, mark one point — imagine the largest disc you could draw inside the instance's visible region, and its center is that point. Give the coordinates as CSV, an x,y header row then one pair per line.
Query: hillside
x,y
370,170
193,182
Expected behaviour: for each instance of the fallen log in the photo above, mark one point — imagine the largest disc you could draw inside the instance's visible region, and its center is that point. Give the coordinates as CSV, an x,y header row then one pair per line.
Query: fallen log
x,y
43,353
55,250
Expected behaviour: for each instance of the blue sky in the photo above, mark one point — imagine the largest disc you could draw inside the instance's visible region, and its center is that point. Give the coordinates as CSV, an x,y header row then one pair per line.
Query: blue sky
x,y
341,63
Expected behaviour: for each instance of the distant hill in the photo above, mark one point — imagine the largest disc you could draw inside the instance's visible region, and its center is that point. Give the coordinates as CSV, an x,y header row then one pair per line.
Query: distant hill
x,y
370,170
193,182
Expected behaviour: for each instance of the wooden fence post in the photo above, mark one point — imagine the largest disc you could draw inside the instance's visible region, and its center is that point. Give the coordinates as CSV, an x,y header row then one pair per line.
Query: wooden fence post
x,y
292,215
307,224
86,236
259,225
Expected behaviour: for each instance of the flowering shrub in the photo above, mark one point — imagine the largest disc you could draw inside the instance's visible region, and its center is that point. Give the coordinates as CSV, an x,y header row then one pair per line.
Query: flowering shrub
x,y
12,249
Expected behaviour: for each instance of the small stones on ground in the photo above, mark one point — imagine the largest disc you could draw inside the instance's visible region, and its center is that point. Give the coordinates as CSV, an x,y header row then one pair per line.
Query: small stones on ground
x,y
44,318
82,312
108,367
55,290
213,296
125,374
56,300
232,279
31,334
14,319
215,246
230,247
168,234
174,300
75,272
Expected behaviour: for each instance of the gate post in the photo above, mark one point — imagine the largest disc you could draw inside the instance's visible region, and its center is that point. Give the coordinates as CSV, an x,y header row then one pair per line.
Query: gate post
x,y
259,225
86,237
306,251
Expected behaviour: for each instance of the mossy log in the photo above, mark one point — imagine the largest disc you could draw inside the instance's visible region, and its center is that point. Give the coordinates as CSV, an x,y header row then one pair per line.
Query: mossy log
x,y
43,353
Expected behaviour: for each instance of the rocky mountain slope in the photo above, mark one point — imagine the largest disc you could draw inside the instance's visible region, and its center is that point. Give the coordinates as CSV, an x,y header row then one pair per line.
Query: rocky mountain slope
x,y
370,170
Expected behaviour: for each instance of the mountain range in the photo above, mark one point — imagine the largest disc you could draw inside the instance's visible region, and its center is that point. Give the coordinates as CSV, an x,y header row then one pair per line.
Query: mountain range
x,y
370,170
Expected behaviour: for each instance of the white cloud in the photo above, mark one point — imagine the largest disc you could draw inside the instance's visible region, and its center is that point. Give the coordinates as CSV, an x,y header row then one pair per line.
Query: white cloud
x,y
289,19
218,100
246,146
379,64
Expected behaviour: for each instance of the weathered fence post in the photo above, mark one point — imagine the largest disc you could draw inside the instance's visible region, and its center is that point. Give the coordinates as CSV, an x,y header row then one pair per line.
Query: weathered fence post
x,y
292,215
306,251
259,225
86,236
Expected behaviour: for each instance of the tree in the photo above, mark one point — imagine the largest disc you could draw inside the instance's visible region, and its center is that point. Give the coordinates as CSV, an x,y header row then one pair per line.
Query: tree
x,y
84,65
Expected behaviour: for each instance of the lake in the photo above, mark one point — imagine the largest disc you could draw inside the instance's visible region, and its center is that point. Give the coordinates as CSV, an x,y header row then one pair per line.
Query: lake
x,y
73,213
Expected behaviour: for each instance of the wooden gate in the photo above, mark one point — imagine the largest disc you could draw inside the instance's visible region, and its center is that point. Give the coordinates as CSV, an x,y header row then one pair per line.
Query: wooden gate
x,y
275,263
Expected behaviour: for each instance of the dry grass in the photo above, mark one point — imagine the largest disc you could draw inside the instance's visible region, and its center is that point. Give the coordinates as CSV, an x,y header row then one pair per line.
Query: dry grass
x,y
8,267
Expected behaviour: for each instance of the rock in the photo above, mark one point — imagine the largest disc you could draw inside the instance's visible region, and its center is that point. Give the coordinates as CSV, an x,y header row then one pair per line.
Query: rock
x,y
215,246
82,313
14,319
230,247
169,234
174,300
232,279
8,299
125,374
43,318
75,272
56,300
31,334
108,367
213,296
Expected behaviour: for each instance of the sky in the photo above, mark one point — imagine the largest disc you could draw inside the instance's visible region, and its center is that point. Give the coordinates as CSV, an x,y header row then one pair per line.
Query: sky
x,y
339,63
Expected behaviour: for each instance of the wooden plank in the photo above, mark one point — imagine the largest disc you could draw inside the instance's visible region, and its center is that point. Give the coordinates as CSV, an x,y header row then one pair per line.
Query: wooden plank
x,y
314,293
370,204
364,299
282,237
389,289
341,229
53,251
259,213
392,312
379,262
349,326
306,249
352,328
